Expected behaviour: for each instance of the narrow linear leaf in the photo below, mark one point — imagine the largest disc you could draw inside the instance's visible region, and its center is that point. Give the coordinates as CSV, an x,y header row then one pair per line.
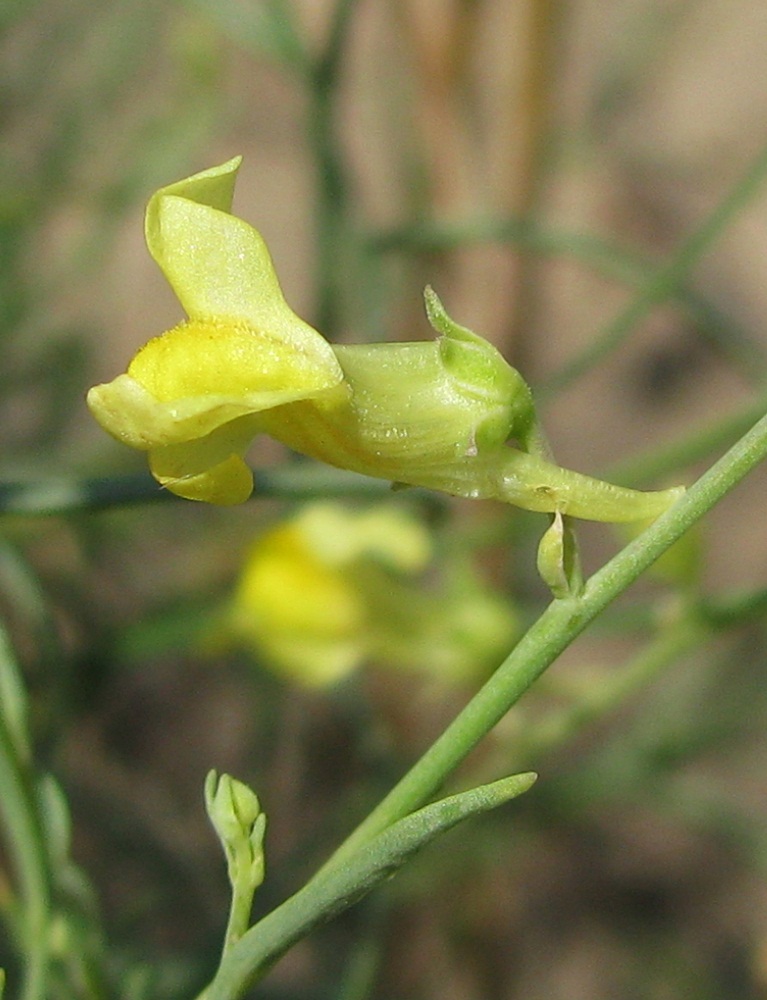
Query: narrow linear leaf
x,y
338,887
13,699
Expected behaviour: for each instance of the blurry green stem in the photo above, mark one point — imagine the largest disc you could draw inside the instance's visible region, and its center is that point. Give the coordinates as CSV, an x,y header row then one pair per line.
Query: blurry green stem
x,y
689,626
323,81
658,463
307,480
297,481
531,138
557,627
25,839
667,279
675,638
604,257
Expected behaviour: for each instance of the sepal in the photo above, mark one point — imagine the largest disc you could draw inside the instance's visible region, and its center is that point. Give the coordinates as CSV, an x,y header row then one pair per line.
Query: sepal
x,y
482,373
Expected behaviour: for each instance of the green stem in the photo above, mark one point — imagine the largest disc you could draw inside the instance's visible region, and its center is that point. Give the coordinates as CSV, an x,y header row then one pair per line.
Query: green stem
x,y
25,842
659,463
241,906
675,639
67,495
557,627
602,256
552,633
332,892
665,281
331,181
531,137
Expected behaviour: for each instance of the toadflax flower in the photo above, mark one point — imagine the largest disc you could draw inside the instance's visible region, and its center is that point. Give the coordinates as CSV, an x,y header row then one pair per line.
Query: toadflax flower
x,y
438,414
360,574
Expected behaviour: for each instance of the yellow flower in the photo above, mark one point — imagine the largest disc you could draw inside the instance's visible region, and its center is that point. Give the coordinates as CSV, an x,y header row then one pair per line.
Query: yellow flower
x,y
191,396
437,414
332,588
298,603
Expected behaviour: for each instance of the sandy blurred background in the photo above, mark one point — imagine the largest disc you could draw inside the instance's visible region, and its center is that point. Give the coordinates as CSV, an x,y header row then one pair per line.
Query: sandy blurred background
x,y
627,122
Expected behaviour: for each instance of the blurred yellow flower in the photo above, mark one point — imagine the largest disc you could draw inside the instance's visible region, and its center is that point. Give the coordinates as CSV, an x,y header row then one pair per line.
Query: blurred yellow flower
x,y
437,414
333,587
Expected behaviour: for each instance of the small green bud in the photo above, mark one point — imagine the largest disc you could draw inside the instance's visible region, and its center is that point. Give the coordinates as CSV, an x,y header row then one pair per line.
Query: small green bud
x,y
232,806
235,812
558,560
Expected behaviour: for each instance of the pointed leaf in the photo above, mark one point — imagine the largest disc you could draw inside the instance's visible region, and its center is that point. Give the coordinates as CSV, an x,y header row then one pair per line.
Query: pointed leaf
x,y
336,889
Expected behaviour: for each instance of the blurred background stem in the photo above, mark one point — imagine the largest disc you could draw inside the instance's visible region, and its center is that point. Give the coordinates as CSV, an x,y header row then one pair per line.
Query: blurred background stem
x,y
531,140
331,181
30,908
666,280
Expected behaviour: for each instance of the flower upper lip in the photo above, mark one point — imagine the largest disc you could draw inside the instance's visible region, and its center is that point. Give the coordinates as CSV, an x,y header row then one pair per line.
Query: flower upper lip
x,y
242,351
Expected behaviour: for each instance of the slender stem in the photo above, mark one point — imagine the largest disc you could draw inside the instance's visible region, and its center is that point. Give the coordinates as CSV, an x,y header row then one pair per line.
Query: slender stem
x,y
658,463
530,137
332,892
677,638
692,624
606,258
26,848
66,495
557,627
241,905
25,842
330,169
667,279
